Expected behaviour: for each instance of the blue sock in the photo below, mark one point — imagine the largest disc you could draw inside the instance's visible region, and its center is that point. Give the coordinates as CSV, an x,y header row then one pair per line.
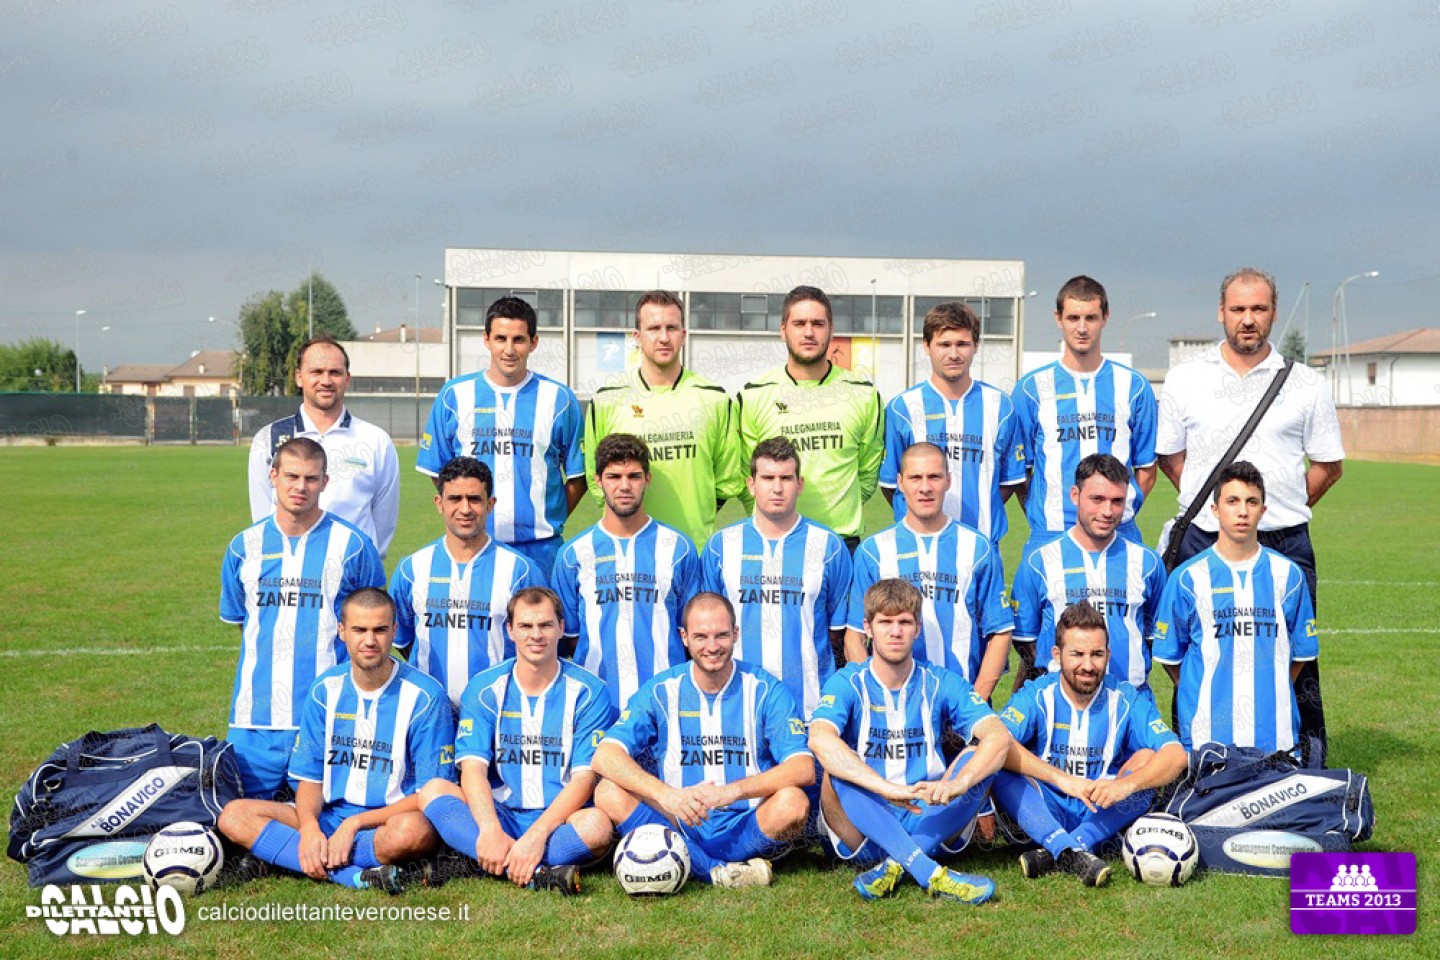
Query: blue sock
x,y
348,877
875,818
565,846
452,820
701,863
363,853
1101,825
939,824
280,845
1022,798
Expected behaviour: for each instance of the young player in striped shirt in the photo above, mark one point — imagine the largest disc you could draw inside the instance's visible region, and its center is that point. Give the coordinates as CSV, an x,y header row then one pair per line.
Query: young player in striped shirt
x,y
889,792
686,421
372,730
965,617
1120,578
833,417
1234,628
528,729
786,575
451,595
729,756
524,426
1081,404
283,580
624,581
1088,753
971,422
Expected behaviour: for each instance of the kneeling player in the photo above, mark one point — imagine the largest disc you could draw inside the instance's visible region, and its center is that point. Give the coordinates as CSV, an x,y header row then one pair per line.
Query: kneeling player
x,y
371,730
729,745
528,728
1089,752
901,802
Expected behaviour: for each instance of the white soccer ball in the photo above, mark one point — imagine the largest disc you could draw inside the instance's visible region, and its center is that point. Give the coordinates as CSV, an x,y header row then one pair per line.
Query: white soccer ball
x,y
652,860
1160,849
185,856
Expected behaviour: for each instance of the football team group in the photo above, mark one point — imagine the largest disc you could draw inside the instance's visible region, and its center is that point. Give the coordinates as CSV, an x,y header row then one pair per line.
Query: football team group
x,y
782,680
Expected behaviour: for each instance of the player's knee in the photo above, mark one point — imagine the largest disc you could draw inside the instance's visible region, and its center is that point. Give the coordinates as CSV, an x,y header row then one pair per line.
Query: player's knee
x,y
594,828
614,801
239,822
790,808
435,789
406,836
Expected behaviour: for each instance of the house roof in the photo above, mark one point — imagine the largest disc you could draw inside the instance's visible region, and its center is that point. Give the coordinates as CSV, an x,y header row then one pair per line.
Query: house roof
x,y
392,335
216,364
1422,340
140,373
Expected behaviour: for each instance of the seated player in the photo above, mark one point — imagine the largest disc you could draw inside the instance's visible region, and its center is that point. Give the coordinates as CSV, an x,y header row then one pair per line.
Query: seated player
x,y
729,744
625,580
1088,753
449,594
528,728
966,619
283,581
889,793
1235,628
371,731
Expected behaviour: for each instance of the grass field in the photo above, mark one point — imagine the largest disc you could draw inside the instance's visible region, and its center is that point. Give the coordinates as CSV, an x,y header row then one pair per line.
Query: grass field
x,y
109,562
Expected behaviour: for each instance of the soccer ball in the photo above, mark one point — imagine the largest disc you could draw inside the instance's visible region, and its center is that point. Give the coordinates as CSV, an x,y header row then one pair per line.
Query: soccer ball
x,y
186,856
1160,849
652,860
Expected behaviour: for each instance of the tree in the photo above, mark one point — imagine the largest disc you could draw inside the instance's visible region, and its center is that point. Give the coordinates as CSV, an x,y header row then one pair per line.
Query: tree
x,y
55,362
1292,347
273,325
330,314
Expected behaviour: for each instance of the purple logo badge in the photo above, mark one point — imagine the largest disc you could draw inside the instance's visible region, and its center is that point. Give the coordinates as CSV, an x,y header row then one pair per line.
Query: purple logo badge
x,y
1352,893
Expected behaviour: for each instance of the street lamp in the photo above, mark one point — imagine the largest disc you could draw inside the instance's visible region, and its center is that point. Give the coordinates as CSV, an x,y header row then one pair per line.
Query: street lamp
x,y
446,335
1337,312
104,359
78,315
416,329
1125,327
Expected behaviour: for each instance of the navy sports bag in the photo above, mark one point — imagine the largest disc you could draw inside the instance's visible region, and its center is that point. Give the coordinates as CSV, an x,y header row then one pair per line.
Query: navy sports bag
x,y
1251,810
86,813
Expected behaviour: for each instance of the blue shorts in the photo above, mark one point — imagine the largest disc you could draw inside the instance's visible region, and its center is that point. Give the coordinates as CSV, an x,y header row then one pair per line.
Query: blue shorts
x,y
515,822
729,835
264,759
541,553
336,813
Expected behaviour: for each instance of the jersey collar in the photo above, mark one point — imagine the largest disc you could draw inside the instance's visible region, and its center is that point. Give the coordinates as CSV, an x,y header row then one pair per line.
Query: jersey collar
x,y
645,384
303,424
819,383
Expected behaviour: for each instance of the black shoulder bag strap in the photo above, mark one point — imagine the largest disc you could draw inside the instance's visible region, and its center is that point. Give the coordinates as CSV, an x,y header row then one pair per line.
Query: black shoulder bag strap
x,y
1177,533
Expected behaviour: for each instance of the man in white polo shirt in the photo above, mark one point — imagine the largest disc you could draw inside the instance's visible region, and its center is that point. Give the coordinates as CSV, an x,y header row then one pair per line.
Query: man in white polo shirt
x,y
364,481
1296,446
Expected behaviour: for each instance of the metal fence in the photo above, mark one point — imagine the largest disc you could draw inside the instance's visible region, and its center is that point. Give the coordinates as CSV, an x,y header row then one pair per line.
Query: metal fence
x,y
77,418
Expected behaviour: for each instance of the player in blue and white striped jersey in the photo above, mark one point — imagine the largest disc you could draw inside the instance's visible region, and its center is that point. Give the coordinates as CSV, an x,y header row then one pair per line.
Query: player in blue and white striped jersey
x,y
786,575
1088,753
1234,628
624,581
526,427
971,422
283,580
728,746
1122,579
890,793
1081,404
966,618
528,730
372,730
451,595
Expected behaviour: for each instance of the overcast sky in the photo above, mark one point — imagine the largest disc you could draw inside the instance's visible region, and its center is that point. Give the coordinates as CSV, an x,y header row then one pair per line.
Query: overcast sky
x,y
163,161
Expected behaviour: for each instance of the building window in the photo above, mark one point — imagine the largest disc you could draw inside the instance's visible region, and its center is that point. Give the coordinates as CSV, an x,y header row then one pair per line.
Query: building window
x,y
472,302
606,309
853,315
1371,369
735,311
997,314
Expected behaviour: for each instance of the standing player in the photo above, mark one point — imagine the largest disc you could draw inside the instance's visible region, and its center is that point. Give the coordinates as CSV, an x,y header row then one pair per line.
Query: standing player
x,y
1235,627
282,581
904,800
729,748
971,422
524,426
372,730
831,415
528,728
1121,579
450,593
965,617
1081,404
364,482
786,574
1089,752
624,581
684,419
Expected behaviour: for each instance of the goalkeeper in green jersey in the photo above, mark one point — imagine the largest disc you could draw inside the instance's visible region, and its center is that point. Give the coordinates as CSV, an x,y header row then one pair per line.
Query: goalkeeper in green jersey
x,y
832,416
686,421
